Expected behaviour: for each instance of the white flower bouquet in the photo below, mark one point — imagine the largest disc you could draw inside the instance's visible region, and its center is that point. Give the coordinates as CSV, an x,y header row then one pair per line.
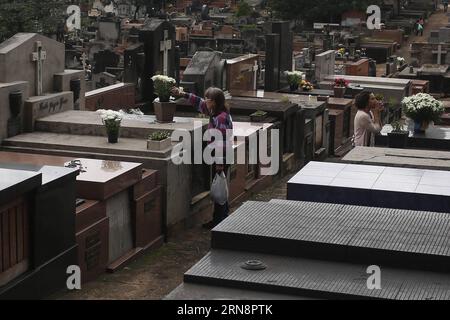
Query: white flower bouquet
x,y
401,61
111,119
422,107
294,77
163,85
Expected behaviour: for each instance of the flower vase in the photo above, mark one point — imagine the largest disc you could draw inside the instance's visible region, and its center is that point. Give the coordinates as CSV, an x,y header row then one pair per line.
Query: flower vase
x,y
339,92
113,136
293,87
421,126
164,111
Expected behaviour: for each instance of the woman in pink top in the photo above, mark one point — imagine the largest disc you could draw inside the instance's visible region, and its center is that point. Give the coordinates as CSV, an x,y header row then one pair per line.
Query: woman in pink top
x,y
367,119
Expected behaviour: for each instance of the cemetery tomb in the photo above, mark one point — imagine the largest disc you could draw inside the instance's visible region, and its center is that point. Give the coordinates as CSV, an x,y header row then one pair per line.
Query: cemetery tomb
x,y
303,148
206,69
289,246
82,134
314,92
39,88
393,35
435,138
242,72
158,37
371,186
325,64
114,97
38,229
388,87
358,68
318,113
349,112
107,237
243,131
438,75
272,62
237,174
420,86
407,158
378,51
336,118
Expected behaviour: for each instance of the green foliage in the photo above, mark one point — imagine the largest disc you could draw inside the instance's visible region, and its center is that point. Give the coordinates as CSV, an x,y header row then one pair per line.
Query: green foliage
x,y
397,126
325,11
249,27
259,113
284,99
159,135
40,16
243,9
379,97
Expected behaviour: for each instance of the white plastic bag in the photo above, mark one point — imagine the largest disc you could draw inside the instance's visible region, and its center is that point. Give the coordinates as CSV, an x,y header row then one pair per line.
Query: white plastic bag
x,y
219,189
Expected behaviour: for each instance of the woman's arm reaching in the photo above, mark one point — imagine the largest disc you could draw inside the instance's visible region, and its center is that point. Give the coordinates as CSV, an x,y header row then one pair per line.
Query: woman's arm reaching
x,y
196,101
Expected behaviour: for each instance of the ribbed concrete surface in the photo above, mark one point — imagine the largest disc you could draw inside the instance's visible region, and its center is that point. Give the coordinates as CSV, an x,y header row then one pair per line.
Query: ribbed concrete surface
x,y
403,238
315,278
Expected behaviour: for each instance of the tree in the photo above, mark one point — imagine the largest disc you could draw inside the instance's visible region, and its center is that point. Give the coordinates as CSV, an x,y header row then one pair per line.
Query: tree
x,y
41,16
323,11
243,9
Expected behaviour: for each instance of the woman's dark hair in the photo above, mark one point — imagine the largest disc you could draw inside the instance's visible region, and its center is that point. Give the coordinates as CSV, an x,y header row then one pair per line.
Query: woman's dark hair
x,y
216,95
362,100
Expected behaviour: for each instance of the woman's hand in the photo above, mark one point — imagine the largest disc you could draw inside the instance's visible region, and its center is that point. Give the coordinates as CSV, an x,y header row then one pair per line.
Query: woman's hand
x,y
178,92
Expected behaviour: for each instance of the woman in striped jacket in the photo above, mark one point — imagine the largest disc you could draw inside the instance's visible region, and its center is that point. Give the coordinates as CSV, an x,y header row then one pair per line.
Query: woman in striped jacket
x,y
215,108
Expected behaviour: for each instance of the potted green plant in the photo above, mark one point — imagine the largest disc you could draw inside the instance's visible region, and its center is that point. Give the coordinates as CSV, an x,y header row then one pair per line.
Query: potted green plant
x,y
340,85
398,137
294,78
423,109
258,116
159,140
164,109
112,121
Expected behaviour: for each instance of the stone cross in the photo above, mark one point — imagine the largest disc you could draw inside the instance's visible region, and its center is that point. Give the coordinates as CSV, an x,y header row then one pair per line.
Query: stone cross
x,y
39,56
165,46
255,75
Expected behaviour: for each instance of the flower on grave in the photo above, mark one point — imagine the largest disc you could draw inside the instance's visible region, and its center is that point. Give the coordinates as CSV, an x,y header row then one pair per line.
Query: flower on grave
x,y
422,107
294,77
341,52
401,61
306,85
341,82
163,85
160,135
111,119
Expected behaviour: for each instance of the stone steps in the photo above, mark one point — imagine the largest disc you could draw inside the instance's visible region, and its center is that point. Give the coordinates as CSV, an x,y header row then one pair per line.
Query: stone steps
x,y
352,234
84,144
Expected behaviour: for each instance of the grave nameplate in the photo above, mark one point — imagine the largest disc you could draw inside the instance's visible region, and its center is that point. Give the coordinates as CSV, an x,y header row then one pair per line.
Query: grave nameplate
x,y
42,106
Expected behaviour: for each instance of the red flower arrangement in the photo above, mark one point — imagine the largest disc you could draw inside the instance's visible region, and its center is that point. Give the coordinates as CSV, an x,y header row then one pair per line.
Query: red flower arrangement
x,y
341,82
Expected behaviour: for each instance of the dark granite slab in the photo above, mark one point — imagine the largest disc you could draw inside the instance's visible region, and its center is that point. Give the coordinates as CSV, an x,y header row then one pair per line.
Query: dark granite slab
x,y
14,183
435,138
354,234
